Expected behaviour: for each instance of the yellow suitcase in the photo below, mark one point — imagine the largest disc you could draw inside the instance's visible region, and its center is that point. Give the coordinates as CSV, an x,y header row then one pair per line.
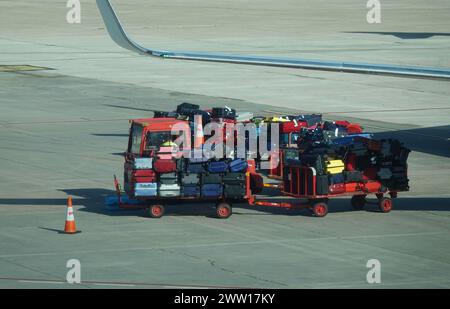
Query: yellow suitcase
x,y
276,119
335,166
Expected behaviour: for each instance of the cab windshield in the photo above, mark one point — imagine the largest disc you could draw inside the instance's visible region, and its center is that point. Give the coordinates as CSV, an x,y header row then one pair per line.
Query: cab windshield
x,y
158,139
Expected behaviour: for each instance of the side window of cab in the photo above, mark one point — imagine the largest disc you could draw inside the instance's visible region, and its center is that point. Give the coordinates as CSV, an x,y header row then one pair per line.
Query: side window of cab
x,y
134,144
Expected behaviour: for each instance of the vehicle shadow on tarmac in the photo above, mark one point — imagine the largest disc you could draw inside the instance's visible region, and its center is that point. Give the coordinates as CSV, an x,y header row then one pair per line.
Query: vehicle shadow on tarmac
x,y
93,200
434,140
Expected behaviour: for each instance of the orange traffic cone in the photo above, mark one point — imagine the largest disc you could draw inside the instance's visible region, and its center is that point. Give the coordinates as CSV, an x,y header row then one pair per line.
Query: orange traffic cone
x,y
70,227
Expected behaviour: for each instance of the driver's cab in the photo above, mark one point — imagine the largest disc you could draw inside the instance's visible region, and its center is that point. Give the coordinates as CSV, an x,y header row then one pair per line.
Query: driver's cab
x,y
149,138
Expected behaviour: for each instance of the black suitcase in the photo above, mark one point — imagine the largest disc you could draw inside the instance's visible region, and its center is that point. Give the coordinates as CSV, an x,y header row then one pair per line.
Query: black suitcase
x,y
336,178
234,191
399,183
223,112
196,168
190,179
402,157
182,165
322,184
162,114
187,108
291,154
211,178
168,178
311,120
233,178
293,162
362,162
316,161
206,116
359,149
353,176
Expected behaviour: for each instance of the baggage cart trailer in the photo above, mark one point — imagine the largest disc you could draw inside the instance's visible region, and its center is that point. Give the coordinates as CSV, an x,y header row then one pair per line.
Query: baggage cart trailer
x,y
303,196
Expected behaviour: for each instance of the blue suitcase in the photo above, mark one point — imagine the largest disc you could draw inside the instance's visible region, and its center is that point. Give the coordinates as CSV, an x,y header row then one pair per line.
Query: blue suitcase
x,y
191,191
196,168
212,190
238,165
145,189
143,163
217,166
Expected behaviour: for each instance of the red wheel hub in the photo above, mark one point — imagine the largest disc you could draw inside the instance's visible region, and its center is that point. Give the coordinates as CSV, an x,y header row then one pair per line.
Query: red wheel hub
x,y
320,210
387,205
223,211
156,210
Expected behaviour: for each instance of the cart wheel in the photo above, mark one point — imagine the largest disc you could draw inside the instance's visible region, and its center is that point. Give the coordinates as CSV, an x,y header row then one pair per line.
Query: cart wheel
x,y
156,211
385,204
358,202
320,209
223,210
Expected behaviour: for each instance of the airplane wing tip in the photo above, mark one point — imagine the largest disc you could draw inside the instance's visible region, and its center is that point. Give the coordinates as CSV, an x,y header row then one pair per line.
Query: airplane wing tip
x,y
115,28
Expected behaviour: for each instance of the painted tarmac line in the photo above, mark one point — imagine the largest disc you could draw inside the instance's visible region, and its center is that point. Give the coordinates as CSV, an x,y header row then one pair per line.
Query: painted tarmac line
x,y
40,281
121,284
114,284
243,243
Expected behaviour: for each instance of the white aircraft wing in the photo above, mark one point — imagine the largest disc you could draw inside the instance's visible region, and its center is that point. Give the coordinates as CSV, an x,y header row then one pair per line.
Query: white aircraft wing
x,y
119,36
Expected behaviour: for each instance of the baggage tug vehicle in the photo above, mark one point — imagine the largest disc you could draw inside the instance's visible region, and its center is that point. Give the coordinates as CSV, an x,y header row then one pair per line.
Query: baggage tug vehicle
x,y
320,160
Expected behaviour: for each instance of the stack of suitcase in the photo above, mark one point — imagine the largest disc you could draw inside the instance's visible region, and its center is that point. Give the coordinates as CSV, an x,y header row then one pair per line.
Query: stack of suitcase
x,y
188,178
168,185
362,160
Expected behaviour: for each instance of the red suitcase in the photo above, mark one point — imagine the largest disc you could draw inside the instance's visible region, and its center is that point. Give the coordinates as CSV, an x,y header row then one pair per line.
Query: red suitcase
x,y
165,166
354,128
144,173
144,179
288,127
342,123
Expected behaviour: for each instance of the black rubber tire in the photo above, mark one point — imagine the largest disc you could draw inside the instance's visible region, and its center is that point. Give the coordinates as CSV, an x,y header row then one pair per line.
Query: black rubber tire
x,y
358,202
223,210
320,209
385,204
156,211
